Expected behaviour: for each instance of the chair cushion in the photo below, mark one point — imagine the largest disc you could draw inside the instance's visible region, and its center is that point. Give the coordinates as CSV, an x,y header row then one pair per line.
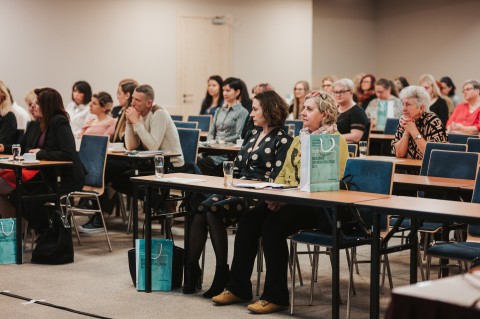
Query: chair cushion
x,y
464,251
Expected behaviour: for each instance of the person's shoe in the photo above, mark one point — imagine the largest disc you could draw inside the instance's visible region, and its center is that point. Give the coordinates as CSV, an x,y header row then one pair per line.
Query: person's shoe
x,y
227,298
220,281
264,306
94,225
192,281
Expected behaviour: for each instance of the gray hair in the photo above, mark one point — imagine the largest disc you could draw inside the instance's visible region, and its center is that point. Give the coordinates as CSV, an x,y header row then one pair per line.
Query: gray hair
x,y
474,83
418,93
147,90
345,83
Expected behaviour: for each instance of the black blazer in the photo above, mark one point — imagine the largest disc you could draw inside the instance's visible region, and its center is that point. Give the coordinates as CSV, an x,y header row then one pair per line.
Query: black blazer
x,y
59,145
8,129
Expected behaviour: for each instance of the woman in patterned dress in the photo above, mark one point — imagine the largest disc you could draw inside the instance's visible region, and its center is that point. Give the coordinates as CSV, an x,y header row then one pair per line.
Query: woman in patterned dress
x,y
261,157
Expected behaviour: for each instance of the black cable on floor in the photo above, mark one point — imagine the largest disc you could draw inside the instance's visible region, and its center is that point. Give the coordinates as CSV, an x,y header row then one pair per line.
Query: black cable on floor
x,y
52,305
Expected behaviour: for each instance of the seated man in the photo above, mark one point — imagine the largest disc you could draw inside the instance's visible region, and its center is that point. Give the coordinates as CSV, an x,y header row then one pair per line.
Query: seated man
x,y
149,127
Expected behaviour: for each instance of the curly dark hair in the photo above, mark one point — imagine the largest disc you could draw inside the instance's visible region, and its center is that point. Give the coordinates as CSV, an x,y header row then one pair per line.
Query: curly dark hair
x,y
274,107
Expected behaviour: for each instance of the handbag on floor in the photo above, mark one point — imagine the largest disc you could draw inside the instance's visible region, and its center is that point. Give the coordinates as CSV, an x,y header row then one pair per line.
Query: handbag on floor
x,y
54,246
162,254
8,233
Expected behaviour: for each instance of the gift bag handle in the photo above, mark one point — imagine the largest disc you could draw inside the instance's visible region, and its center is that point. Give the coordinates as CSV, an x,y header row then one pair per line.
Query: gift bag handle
x,y
330,149
9,233
160,252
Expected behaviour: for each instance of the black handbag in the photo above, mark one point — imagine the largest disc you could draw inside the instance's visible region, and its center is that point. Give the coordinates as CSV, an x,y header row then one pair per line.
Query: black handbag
x,y
54,245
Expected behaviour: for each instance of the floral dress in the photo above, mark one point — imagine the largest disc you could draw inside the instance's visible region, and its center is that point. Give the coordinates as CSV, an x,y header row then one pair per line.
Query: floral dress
x,y
263,164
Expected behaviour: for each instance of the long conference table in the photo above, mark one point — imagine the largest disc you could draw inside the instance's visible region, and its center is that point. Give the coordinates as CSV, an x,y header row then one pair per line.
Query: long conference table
x,y
211,184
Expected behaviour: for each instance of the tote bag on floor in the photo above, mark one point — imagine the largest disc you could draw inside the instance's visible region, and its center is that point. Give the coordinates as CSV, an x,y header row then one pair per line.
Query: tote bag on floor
x,y
8,233
320,162
162,257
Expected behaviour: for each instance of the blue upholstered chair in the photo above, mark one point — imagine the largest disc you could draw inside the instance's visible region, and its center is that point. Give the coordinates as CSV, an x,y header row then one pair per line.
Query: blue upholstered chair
x,y
298,125
391,126
189,139
204,121
464,251
452,164
473,145
459,138
352,150
367,176
438,146
93,154
289,129
180,124
177,117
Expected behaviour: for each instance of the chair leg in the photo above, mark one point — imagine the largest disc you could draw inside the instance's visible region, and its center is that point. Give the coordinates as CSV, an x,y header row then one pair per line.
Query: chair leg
x,y
349,253
429,263
420,264
203,264
294,262
259,265
350,284
104,224
316,250
68,208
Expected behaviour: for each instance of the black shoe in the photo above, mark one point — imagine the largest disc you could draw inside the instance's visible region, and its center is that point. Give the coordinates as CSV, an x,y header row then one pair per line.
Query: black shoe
x,y
87,204
220,281
94,225
192,278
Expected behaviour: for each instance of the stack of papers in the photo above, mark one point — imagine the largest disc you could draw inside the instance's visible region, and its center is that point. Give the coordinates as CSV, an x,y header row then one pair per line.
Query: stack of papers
x,y
145,153
264,185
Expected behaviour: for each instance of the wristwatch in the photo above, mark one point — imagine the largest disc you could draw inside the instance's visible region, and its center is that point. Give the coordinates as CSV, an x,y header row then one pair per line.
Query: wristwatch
x,y
418,136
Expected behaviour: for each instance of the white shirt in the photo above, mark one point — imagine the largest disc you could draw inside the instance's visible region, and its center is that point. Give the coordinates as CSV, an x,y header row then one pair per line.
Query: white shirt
x,y
21,115
79,114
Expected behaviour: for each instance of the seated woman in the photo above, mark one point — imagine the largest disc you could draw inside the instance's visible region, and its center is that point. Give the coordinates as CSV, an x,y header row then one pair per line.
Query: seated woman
x,y
300,90
260,158
55,143
438,105
274,222
103,123
417,125
125,91
447,87
383,91
214,97
229,121
8,122
365,91
466,116
7,176
352,122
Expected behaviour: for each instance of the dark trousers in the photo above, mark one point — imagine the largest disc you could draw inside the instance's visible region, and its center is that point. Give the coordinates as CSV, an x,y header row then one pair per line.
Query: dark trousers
x,y
274,228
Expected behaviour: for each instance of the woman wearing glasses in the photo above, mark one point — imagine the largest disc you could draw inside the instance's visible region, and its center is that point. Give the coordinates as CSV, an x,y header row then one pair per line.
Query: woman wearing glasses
x,y
274,222
300,90
466,116
352,122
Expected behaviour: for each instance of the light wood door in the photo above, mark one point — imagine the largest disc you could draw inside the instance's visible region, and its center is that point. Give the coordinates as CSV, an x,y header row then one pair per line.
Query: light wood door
x,y
204,48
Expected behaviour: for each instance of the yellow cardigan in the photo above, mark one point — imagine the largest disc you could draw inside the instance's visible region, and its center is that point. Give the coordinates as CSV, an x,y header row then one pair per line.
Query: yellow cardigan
x,y
290,173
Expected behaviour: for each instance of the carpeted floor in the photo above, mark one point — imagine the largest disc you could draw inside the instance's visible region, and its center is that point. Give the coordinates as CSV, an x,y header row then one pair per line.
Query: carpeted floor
x,y
99,283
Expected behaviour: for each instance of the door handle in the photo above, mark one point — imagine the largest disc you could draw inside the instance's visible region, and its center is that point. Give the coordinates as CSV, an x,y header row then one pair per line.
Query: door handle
x,y
187,95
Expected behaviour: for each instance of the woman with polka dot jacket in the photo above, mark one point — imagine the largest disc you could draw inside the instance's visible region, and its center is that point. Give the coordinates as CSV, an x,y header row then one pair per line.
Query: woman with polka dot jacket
x,y
274,222
261,158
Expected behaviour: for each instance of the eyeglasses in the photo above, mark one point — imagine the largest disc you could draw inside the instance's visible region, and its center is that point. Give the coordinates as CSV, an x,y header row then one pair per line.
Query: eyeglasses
x,y
467,89
340,92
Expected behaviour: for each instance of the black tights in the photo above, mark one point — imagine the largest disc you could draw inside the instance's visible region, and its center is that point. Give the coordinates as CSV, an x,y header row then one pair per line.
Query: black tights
x,y
198,237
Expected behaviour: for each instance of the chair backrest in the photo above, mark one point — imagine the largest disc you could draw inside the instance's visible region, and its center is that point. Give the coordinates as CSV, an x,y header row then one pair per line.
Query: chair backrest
x,y
438,146
473,144
177,117
289,128
189,142
371,176
352,150
93,154
204,121
473,230
453,164
179,124
459,138
19,136
391,126
298,125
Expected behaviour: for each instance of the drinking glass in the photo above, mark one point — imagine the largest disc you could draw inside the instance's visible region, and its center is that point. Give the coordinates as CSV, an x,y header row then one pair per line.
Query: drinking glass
x,y
362,145
16,151
228,173
159,166
221,137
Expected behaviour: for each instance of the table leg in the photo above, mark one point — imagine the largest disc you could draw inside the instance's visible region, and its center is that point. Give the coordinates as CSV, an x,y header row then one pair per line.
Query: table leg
x,y
134,211
19,188
148,241
335,265
375,268
413,238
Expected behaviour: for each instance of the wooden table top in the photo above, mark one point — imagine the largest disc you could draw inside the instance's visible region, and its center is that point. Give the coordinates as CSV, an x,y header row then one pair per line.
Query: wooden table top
x,y
214,184
376,136
397,160
441,182
124,154
5,163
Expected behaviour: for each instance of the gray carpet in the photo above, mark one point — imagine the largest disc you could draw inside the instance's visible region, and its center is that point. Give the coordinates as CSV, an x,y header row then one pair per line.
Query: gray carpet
x,y
98,282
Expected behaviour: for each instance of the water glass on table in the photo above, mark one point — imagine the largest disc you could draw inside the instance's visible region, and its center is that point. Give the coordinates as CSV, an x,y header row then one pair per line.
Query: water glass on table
x,y
228,173
16,151
221,137
362,146
159,161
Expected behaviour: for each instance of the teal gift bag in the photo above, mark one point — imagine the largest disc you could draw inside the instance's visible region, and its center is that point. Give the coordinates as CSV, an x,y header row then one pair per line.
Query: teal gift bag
x,y
162,255
320,162
8,241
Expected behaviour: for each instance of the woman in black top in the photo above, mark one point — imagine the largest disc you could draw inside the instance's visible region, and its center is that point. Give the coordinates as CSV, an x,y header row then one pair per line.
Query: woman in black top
x,y
438,105
8,122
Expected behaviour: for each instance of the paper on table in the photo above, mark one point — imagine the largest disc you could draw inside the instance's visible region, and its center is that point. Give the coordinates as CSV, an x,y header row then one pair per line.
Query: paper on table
x,y
181,180
261,185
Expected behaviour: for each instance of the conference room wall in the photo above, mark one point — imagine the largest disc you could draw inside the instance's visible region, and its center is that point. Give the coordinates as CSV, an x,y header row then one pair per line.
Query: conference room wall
x,y
57,42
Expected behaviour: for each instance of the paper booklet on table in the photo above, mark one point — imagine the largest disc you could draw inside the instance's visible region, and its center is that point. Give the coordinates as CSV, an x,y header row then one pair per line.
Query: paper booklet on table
x,y
261,185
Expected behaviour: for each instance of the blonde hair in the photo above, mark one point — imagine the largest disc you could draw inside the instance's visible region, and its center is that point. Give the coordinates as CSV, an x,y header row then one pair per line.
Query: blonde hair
x,y
428,78
327,105
30,97
5,103
296,103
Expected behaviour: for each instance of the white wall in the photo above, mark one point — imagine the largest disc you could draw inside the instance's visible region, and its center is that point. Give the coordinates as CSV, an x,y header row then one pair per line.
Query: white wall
x,y
57,42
